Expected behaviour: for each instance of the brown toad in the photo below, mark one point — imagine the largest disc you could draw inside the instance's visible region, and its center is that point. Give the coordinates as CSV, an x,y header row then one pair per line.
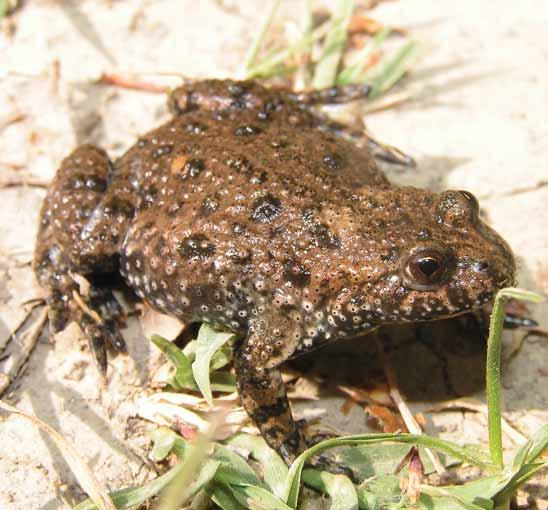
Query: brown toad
x,y
250,212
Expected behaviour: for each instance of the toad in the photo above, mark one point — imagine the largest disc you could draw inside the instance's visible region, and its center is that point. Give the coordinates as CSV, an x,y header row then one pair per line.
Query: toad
x,y
250,212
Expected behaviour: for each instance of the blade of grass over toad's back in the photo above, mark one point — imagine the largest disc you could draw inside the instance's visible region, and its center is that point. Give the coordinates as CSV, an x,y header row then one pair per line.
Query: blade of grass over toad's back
x,y
353,73
339,488
208,343
492,385
78,466
259,36
327,67
394,69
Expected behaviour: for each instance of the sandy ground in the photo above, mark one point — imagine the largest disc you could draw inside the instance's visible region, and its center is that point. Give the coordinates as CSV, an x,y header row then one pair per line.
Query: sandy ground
x,y
477,121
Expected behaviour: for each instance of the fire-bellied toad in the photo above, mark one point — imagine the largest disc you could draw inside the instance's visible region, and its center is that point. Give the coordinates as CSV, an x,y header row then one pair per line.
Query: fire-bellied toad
x,y
252,213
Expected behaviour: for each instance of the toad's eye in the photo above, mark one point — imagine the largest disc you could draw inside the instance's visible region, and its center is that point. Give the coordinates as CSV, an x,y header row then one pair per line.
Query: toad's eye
x,y
425,269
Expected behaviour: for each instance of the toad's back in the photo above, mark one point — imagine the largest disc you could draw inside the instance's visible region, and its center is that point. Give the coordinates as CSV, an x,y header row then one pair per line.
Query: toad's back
x,y
239,196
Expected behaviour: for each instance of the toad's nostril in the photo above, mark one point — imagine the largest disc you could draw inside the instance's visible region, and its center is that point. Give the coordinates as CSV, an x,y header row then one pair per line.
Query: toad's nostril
x,y
481,266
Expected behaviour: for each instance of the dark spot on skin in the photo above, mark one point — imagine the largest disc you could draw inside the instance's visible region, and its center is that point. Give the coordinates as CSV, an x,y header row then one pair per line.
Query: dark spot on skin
x,y
389,255
309,214
323,237
238,228
150,194
269,107
266,208
119,207
196,128
258,178
332,161
174,209
379,224
196,246
296,273
247,130
95,183
239,163
262,413
278,144
209,205
192,168
161,151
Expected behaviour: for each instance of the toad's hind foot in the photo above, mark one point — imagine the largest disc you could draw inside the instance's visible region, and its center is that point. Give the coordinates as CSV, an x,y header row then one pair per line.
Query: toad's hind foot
x,y
361,138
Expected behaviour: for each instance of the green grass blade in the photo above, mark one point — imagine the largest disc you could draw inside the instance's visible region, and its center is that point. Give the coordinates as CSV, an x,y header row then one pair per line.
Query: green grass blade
x,y
183,377
445,494
208,343
164,440
276,58
524,474
222,495
539,443
274,468
182,487
394,69
259,37
259,498
325,73
131,497
234,470
340,488
292,484
352,73
494,343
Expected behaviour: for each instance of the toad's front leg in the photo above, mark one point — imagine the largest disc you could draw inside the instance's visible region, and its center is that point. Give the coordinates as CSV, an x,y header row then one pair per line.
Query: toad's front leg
x,y
263,396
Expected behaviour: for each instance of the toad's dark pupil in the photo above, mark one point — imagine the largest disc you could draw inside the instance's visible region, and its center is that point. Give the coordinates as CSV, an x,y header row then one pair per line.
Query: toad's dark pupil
x,y
428,266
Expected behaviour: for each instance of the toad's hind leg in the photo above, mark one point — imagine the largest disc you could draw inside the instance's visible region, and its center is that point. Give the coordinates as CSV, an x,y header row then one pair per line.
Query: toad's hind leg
x,y
361,138
264,398
263,395
75,238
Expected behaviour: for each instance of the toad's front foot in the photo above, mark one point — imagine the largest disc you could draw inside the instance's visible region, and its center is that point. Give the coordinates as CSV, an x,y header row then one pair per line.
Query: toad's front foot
x,y
96,311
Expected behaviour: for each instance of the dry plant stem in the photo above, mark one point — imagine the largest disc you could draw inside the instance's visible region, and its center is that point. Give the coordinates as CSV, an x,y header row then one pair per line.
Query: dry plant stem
x,y
402,406
12,119
30,337
131,83
468,404
31,183
387,102
86,309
